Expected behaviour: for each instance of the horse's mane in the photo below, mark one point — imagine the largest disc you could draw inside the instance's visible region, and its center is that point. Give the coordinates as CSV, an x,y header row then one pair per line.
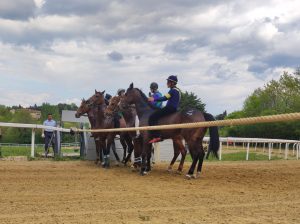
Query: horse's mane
x,y
145,98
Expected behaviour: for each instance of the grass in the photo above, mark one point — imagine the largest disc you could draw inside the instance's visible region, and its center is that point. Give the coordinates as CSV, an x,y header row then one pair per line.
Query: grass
x,y
240,156
6,151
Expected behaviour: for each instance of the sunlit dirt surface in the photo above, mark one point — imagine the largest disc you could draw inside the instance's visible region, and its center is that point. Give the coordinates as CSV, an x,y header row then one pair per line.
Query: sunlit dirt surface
x,y
80,192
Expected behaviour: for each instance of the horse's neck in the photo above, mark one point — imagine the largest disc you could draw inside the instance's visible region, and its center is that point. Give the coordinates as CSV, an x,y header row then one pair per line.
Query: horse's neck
x,y
96,116
129,116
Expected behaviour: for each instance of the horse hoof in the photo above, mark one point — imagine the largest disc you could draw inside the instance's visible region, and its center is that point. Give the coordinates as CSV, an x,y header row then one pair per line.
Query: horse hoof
x,y
188,176
197,175
169,169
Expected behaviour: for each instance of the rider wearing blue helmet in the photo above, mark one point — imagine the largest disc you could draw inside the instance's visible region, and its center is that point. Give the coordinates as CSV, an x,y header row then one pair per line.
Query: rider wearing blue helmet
x,y
155,94
173,98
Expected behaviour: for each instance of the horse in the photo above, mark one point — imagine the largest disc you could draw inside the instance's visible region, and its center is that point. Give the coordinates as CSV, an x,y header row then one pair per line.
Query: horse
x,y
129,114
126,138
192,136
177,143
94,107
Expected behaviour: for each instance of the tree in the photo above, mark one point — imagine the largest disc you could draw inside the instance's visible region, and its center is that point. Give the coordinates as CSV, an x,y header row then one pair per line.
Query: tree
x,y
276,97
190,100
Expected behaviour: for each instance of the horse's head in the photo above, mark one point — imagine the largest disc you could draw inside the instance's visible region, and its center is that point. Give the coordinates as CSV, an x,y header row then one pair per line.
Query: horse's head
x,y
113,105
131,97
83,108
86,105
98,98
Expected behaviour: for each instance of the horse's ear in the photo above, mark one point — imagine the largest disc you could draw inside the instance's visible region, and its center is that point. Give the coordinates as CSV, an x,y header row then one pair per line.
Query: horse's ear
x,y
103,92
131,86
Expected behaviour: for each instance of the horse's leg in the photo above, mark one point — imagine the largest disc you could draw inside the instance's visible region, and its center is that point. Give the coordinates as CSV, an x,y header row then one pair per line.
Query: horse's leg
x,y
195,155
97,144
138,146
200,163
144,157
176,154
183,155
102,149
149,153
130,148
124,145
111,144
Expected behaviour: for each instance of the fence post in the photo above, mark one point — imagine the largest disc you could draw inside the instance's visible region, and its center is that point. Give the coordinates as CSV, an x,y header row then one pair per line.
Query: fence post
x,y
220,151
286,150
248,149
270,150
32,142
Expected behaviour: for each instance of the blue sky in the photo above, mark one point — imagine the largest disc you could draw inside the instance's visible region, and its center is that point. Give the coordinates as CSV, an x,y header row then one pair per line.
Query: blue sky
x,y
61,50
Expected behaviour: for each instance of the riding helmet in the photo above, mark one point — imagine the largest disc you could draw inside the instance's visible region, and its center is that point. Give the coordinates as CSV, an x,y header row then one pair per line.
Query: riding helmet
x,y
172,78
154,86
107,96
120,91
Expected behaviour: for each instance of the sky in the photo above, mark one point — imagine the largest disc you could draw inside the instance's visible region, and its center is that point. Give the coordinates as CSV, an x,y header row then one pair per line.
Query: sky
x,y
60,51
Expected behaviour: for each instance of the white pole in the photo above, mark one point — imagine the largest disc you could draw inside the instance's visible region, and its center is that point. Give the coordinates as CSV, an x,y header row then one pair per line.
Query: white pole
x,y
248,149
298,148
295,144
279,147
220,153
255,146
270,150
286,150
32,142
264,147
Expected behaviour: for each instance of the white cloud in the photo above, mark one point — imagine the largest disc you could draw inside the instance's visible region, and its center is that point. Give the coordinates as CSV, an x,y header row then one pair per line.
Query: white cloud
x,y
220,50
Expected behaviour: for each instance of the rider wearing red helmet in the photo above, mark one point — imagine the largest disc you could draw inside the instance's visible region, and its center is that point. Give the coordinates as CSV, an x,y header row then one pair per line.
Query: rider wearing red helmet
x,y
173,98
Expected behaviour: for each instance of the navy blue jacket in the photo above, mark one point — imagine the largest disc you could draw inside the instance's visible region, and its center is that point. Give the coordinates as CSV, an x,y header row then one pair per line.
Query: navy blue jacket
x,y
173,97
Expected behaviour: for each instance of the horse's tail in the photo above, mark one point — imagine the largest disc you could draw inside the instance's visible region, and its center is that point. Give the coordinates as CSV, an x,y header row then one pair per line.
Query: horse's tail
x,y
214,142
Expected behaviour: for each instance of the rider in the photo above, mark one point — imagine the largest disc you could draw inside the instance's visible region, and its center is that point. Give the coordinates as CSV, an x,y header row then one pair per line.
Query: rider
x,y
119,118
107,98
155,94
173,98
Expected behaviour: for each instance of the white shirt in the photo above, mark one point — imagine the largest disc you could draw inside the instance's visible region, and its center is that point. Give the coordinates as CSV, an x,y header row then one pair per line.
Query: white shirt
x,y
51,123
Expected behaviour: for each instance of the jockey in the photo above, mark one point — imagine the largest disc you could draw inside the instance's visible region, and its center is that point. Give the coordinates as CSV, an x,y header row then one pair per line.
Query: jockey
x,y
173,98
155,94
119,118
107,98
121,92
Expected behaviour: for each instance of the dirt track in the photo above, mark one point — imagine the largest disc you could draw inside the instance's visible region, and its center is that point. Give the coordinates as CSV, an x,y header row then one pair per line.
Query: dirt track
x,y
79,192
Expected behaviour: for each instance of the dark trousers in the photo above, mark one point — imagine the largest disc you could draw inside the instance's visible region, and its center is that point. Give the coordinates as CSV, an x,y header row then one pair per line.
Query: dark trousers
x,y
48,136
153,119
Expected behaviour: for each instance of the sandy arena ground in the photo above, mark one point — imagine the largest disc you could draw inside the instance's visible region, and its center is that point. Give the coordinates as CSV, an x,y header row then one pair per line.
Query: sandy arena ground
x,y
80,192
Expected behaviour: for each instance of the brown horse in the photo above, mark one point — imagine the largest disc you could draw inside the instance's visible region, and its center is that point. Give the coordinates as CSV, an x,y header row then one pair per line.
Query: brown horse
x,y
94,107
193,136
126,138
177,140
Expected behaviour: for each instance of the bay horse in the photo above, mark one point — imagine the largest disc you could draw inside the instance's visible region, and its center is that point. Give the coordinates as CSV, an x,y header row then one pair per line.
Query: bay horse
x,y
94,107
126,138
129,114
177,141
193,136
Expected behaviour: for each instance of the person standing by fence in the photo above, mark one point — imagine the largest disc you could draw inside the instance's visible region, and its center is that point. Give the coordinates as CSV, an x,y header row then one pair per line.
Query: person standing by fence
x,y
49,134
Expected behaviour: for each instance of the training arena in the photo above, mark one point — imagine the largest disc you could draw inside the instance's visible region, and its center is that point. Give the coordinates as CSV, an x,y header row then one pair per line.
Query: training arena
x,y
80,192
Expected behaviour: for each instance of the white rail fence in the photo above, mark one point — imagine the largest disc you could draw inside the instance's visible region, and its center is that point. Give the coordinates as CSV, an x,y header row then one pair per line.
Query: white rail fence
x,y
269,143
33,127
245,141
